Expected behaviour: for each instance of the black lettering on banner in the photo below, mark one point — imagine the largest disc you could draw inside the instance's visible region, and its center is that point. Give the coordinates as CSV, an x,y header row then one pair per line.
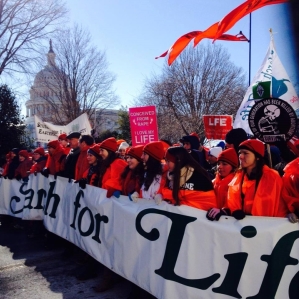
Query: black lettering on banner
x,y
93,226
277,261
17,199
174,241
41,193
56,201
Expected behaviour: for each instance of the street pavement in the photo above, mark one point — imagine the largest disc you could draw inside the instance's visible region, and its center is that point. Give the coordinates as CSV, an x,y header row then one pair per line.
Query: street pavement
x,y
34,268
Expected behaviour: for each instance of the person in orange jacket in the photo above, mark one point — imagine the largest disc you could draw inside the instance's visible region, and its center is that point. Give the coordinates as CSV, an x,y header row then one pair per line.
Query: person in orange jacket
x,y
228,162
111,167
255,189
133,175
39,159
290,190
23,170
187,182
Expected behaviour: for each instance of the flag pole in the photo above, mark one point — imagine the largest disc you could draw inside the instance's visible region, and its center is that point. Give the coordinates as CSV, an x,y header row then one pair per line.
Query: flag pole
x,y
249,79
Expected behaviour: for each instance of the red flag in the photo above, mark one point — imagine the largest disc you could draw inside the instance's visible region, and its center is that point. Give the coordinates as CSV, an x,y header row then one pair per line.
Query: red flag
x,y
184,40
241,11
208,33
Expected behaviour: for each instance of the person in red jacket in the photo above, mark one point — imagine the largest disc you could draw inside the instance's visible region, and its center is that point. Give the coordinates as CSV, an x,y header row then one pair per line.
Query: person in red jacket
x,y
56,158
133,175
85,142
255,189
39,159
91,175
62,138
187,182
23,170
111,167
290,190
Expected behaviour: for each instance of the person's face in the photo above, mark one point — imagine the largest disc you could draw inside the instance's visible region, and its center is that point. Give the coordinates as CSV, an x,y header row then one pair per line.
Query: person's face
x,y
74,142
144,157
122,152
247,159
92,160
132,162
51,150
212,159
104,153
36,156
63,143
13,154
224,169
82,145
186,145
170,165
21,158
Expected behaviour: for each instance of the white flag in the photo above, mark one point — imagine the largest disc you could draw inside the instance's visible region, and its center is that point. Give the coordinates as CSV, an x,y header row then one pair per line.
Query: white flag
x,y
281,87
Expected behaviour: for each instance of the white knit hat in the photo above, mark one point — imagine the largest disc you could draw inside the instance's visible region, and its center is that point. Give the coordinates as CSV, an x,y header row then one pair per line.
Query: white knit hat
x,y
123,145
215,151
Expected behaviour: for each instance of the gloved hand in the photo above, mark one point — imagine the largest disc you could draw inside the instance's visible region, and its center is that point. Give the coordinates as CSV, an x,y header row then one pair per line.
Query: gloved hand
x,y
293,218
134,196
35,173
238,214
82,183
116,193
26,179
158,198
215,214
18,177
45,172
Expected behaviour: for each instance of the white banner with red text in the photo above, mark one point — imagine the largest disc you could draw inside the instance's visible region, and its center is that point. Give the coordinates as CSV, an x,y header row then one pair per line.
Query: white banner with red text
x,y
170,251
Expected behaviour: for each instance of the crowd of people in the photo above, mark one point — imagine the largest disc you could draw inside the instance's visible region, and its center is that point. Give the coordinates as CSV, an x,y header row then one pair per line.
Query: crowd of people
x,y
238,177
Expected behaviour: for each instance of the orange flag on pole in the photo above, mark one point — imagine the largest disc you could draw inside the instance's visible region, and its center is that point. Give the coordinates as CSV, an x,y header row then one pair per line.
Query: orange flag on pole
x,y
182,42
241,11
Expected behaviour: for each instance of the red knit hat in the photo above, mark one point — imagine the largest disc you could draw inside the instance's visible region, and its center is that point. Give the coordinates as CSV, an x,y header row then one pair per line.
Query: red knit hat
x,y
62,136
109,144
136,152
119,141
40,151
54,144
94,150
24,153
155,149
254,145
230,156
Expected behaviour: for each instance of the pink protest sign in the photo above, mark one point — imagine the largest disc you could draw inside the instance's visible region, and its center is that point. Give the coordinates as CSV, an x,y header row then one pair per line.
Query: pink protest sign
x,y
143,123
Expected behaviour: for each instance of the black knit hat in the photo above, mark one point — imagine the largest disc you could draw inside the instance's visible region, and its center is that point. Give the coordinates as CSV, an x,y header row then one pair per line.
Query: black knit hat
x,y
235,137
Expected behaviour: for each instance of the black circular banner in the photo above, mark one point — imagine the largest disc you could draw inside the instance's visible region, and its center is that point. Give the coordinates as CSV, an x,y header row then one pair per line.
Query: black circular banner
x,y
272,119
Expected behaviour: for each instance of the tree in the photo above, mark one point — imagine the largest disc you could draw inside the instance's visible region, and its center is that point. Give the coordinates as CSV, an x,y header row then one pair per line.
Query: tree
x,y
12,128
24,25
124,124
79,81
201,81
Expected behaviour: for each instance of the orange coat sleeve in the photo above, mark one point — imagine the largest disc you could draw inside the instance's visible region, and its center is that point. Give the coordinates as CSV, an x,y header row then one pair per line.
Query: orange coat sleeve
x,y
111,178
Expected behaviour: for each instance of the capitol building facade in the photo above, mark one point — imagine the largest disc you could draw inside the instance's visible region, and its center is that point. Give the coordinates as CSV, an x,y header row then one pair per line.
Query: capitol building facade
x,y
43,100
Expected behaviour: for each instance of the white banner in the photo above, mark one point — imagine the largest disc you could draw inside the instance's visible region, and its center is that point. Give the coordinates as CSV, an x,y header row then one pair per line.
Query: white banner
x,y
46,131
172,252
281,87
